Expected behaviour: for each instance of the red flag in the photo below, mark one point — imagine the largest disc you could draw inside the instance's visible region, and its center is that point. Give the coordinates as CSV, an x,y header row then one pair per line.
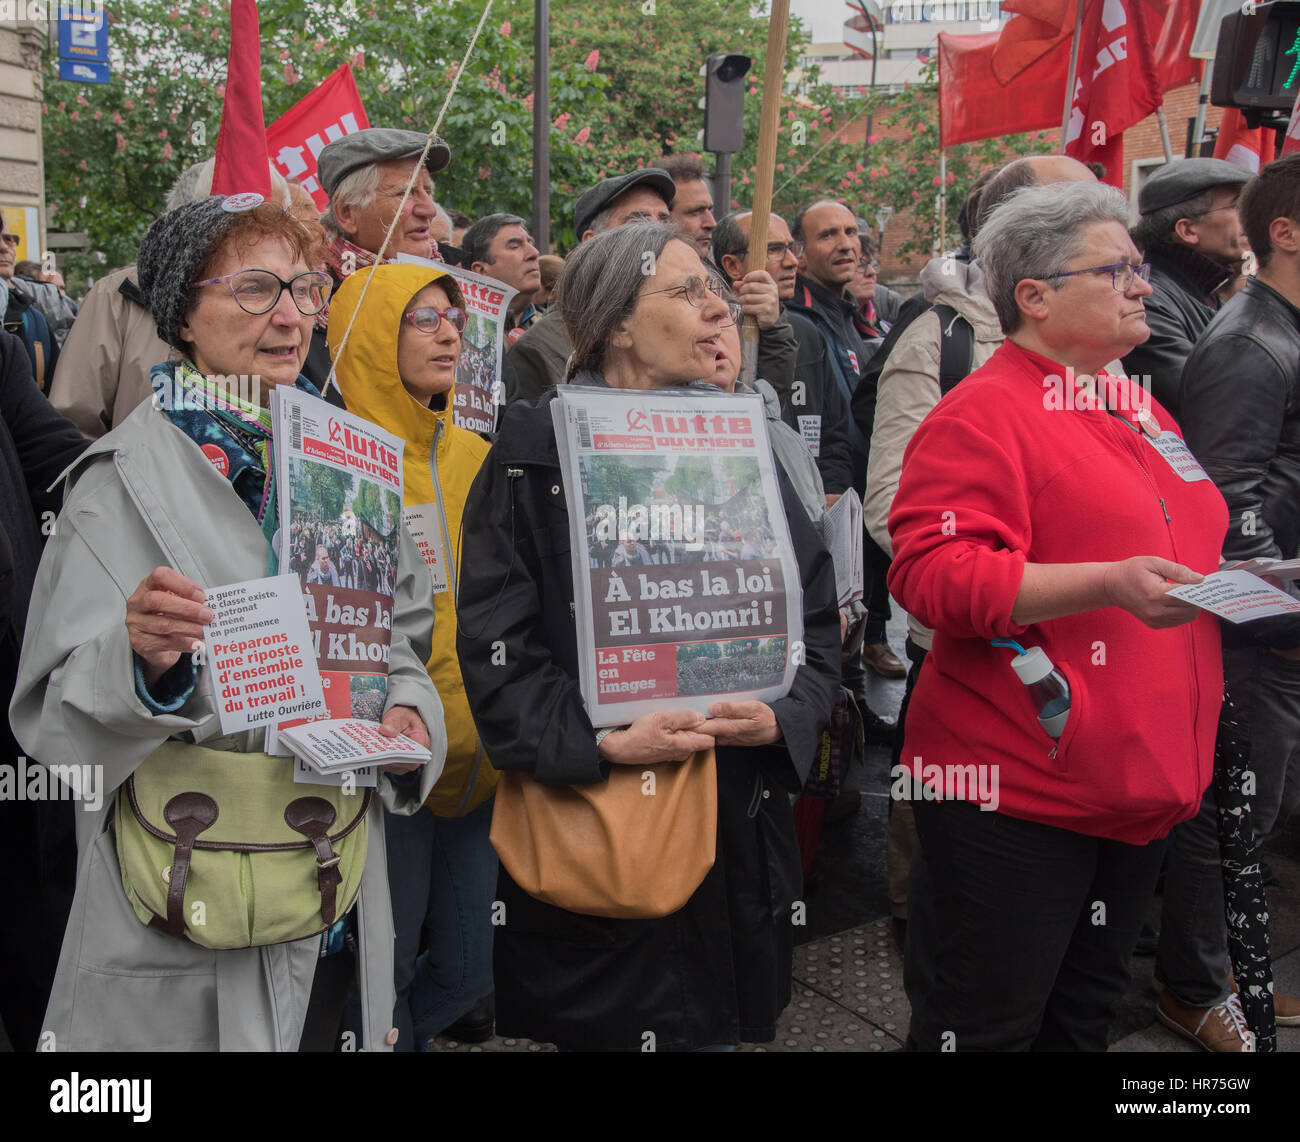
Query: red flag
x,y
295,139
240,164
1291,142
974,105
1116,85
1246,147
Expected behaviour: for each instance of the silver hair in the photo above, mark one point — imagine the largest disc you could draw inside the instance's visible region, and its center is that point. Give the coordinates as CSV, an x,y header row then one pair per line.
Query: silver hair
x,y
600,284
1036,232
195,182
440,213
358,188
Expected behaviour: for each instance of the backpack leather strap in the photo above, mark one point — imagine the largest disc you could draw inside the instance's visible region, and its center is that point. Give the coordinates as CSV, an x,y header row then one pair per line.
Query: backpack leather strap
x,y
312,817
189,814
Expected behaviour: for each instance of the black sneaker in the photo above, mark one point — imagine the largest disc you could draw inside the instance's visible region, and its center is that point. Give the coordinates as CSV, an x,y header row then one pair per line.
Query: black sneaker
x,y
475,1026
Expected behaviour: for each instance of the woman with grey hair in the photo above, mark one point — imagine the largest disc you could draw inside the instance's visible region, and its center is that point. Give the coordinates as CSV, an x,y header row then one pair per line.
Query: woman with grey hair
x,y
1065,719
641,313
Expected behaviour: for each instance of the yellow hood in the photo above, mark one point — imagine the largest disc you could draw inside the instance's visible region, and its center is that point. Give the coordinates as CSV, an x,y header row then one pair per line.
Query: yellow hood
x,y
438,479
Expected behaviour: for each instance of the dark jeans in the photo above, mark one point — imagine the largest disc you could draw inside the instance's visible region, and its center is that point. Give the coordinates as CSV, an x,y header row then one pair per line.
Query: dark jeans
x,y
1025,931
1193,956
875,567
442,873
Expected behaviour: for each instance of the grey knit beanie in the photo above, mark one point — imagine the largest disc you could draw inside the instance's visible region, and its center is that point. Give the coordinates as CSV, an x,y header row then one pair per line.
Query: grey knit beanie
x,y
172,254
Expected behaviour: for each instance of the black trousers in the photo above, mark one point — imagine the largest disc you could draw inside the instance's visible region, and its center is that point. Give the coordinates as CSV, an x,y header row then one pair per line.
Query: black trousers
x,y
875,568
1022,931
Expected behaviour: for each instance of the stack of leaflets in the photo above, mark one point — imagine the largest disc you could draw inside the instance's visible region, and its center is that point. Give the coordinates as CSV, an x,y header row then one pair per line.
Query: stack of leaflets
x,y
687,586
343,744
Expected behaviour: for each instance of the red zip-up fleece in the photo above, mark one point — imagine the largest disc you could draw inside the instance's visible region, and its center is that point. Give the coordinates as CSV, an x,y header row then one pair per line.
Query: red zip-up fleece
x,y
999,475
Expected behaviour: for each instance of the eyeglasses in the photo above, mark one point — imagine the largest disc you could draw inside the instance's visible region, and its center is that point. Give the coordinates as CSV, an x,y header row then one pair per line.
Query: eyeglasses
x,y
1121,274
696,291
1233,205
427,319
9,239
776,249
258,291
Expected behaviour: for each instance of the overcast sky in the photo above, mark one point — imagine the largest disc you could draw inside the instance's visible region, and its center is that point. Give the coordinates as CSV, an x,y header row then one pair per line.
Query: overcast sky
x,y
824,18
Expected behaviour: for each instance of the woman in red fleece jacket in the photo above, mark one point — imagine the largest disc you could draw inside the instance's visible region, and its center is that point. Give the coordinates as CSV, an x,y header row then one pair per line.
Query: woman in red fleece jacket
x,y
1037,503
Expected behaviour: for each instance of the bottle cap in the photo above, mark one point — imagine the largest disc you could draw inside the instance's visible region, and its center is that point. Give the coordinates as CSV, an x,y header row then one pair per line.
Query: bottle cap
x,y
1032,666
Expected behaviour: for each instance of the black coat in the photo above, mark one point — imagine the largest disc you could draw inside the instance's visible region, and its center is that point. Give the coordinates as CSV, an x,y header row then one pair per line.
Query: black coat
x,y
1241,419
718,970
1180,306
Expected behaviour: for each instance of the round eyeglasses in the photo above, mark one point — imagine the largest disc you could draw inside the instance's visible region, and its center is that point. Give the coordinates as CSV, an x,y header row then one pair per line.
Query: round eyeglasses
x,y
696,291
258,291
427,319
1121,274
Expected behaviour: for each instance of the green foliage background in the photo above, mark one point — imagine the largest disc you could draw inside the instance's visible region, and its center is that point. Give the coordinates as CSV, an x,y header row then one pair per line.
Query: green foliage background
x,y
625,87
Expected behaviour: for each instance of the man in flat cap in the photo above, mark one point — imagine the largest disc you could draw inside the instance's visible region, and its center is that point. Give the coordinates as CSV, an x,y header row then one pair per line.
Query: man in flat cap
x,y
536,361
1191,234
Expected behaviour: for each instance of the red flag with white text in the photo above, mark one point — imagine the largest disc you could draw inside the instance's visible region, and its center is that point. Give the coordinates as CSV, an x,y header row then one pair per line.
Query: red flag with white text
x,y
1246,147
295,139
1116,86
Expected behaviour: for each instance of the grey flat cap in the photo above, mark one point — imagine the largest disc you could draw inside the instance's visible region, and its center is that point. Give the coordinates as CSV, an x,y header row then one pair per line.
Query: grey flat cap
x,y
1186,178
375,145
604,192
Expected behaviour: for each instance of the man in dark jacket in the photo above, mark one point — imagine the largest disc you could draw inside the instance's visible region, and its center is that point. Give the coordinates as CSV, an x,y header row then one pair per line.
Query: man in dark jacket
x,y
1191,234
37,846
832,252
1241,418
813,405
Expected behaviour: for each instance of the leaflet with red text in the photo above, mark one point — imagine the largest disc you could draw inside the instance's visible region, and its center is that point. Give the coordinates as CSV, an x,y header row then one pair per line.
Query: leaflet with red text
x,y
687,589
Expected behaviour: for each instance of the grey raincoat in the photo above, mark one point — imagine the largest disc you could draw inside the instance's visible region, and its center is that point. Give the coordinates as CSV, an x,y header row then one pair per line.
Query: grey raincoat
x,y
143,496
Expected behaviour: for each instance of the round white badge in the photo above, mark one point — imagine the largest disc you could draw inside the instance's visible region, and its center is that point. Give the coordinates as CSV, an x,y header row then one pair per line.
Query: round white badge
x,y
1148,423
235,203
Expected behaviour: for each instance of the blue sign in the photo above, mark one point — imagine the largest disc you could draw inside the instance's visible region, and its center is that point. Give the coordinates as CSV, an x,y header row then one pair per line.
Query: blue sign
x,y
79,72
83,31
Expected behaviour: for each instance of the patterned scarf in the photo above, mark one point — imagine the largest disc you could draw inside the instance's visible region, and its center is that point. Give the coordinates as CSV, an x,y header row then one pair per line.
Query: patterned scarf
x,y
232,433
344,258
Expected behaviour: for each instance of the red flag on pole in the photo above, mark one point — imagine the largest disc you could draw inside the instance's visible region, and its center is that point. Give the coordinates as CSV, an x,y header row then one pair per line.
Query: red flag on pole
x,y
1249,148
1116,87
241,143
1291,143
295,139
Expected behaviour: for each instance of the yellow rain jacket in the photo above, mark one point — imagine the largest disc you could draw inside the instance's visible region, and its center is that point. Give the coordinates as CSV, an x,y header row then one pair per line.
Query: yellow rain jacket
x,y
439,463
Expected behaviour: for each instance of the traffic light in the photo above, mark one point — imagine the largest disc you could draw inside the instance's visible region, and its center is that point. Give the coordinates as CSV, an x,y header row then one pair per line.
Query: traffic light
x,y
1257,61
724,102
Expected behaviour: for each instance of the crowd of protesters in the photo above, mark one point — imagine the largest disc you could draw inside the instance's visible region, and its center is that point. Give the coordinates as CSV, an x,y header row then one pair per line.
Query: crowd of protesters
x,y
1006,527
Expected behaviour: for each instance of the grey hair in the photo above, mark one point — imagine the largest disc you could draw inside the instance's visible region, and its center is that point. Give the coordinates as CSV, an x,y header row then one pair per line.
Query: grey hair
x,y
1035,232
600,284
1157,228
195,182
357,188
440,213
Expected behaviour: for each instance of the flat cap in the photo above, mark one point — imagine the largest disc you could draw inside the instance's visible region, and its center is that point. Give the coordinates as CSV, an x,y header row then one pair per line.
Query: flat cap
x,y
1186,178
604,192
375,145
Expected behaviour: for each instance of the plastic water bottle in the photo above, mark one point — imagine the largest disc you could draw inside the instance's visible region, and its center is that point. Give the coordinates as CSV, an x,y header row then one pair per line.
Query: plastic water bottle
x,y
1048,689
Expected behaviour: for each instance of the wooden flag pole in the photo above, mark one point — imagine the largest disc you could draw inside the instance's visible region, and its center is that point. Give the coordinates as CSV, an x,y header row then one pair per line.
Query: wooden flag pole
x,y
765,172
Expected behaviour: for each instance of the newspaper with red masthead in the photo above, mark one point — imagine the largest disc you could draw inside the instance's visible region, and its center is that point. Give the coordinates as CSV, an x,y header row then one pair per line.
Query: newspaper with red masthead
x,y
687,588
339,481
480,394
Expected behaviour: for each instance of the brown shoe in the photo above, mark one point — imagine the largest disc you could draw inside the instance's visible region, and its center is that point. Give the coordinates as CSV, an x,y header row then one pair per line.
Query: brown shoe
x,y
883,661
1221,1028
1286,1008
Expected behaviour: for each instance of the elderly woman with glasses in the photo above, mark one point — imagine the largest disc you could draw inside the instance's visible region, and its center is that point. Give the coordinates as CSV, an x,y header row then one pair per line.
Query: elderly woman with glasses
x,y
178,499
1065,719
718,970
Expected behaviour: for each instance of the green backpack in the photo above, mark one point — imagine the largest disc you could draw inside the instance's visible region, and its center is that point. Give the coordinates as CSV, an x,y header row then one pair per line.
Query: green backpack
x,y
226,850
